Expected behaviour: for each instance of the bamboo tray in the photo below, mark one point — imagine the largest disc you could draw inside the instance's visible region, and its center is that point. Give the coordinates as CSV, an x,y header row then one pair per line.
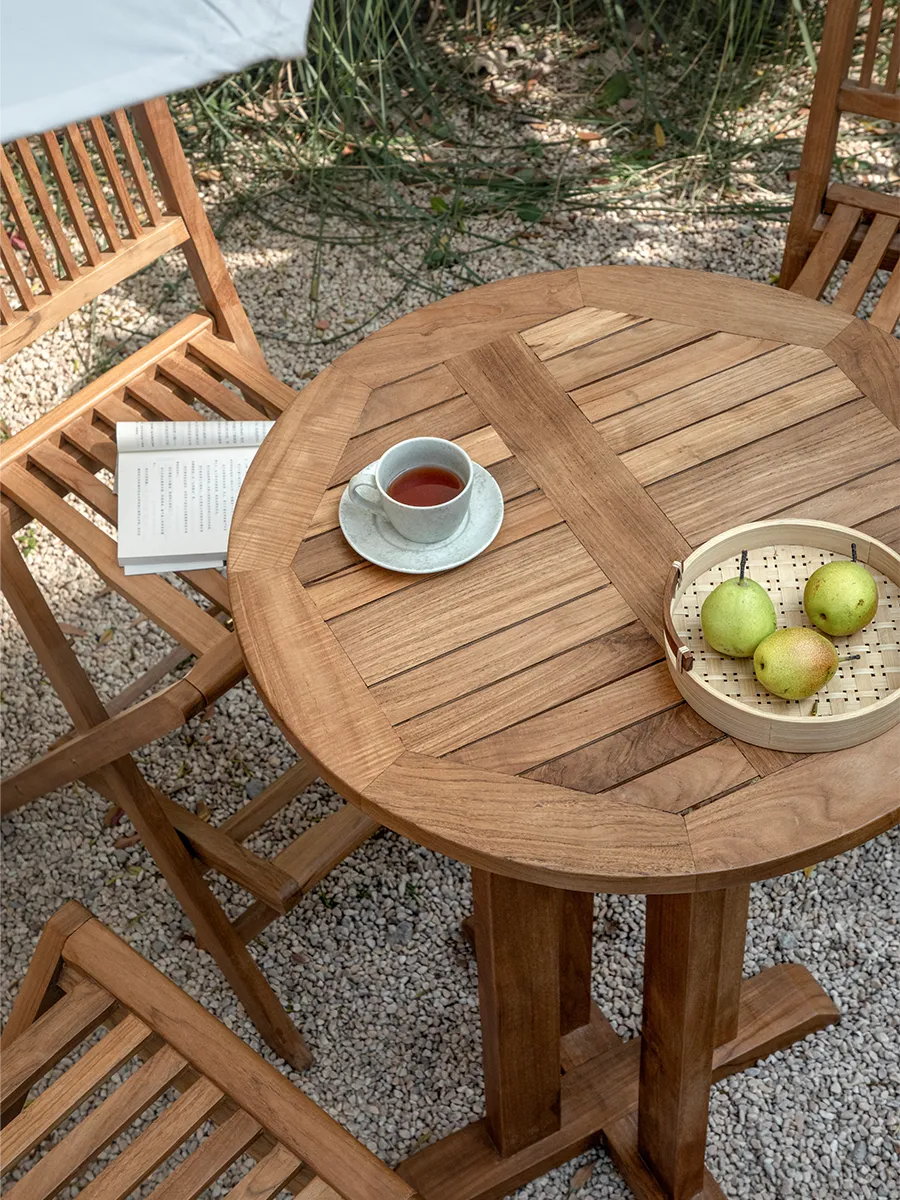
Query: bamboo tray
x,y
861,701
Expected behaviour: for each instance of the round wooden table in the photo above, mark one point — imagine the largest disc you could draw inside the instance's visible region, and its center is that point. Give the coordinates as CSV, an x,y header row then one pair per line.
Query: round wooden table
x,y
516,713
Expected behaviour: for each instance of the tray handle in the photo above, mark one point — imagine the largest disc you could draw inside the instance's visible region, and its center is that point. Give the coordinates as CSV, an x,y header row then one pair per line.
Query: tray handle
x,y
684,659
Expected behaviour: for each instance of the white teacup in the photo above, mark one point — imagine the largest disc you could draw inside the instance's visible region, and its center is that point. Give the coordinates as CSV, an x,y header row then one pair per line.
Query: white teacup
x,y
418,523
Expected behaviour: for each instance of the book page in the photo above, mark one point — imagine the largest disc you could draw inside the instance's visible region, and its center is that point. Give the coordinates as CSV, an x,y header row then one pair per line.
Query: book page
x,y
178,503
188,435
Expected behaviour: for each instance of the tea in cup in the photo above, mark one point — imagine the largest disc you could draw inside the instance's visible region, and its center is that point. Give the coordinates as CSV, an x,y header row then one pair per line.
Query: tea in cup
x,y
422,486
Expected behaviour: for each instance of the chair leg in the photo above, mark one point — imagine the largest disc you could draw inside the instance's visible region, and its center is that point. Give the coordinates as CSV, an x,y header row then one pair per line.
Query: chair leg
x,y
124,783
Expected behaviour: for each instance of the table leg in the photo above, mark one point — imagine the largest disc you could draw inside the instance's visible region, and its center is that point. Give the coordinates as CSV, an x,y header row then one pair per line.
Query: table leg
x,y
518,931
731,962
681,971
576,943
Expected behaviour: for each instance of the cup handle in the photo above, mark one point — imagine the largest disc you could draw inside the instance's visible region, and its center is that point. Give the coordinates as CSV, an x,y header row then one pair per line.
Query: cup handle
x,y
365,479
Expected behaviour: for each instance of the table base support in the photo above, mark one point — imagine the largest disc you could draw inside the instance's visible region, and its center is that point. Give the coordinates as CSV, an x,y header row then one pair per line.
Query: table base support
x,y
600,1091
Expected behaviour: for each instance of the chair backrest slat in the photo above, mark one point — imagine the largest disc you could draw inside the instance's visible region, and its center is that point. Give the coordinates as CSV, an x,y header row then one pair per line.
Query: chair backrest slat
x,y
91,205
214,1155
837,92
268,1177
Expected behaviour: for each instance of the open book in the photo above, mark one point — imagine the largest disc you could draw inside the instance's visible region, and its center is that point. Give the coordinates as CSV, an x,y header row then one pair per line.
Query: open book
x,y
177,483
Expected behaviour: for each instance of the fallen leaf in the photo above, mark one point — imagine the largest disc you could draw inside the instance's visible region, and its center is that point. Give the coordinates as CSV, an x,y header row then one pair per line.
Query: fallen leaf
x,y
628,104
72,630
123,843
323,323
112,816
659,134
106,636
208,174
16,239
298,957
807,871
202,810
589,135
581,1177
348,149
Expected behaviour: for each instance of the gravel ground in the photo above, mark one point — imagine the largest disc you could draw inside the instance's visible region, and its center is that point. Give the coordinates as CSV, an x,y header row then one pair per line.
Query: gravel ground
x,y
372,962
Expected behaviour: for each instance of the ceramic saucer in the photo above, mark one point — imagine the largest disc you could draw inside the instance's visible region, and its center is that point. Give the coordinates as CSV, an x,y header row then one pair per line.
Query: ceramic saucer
x,y
377,540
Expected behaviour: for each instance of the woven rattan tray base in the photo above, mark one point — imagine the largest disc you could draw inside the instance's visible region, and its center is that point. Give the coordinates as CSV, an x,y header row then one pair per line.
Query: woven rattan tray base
x,y
782,556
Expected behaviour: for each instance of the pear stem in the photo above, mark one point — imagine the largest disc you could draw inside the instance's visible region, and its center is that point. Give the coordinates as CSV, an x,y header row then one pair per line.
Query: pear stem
x,y
853,550
743,565
815,709
849,658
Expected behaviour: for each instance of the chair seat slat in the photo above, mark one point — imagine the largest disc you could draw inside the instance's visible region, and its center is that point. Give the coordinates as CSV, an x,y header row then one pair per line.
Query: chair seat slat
x,y
267,1178
26,226
179,616
25,155
270,394
214,1155
189,376
164,405
271,800
887,310
65,470
52,1036
71,1155
866,262
827,252
65,1094
154,1144
93,440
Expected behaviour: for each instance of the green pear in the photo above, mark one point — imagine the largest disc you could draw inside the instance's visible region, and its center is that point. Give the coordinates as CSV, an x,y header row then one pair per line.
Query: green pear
x,y
794,663
736,616
840,597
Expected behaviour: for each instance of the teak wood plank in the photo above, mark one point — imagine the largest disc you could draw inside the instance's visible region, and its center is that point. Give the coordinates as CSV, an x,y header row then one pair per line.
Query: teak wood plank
x,y
574,329
638,424
68,1157
57,1101
451,420
681,367
522,517
282,488
618,351
631,752
886,313
739,425
827,252
885,527
531,830
679,786
574,723
871,357
407,396
214,1155
866,262
343,715
500,655
853,502
534,690
712,301
179,369
809,811
154,1144
52,1035
457,323
266,1179
607,510
778,471
444,612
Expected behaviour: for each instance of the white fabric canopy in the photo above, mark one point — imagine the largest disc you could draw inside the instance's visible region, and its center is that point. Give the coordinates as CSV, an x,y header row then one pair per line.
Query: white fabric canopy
x,y
64,60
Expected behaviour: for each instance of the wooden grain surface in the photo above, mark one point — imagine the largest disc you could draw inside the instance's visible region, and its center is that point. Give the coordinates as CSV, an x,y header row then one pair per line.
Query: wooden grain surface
x,y
517,712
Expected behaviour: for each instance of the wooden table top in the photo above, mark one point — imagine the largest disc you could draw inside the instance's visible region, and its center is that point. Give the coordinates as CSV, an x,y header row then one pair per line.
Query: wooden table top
x,y
516,713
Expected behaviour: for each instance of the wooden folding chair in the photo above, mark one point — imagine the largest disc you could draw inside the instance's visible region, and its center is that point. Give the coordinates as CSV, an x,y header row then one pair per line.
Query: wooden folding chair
x,y
88,207
835,221
158,1043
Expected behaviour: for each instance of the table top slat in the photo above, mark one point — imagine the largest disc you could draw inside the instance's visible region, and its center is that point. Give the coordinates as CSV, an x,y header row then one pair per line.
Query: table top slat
x,y
674,733
619,351
779,470
575,329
